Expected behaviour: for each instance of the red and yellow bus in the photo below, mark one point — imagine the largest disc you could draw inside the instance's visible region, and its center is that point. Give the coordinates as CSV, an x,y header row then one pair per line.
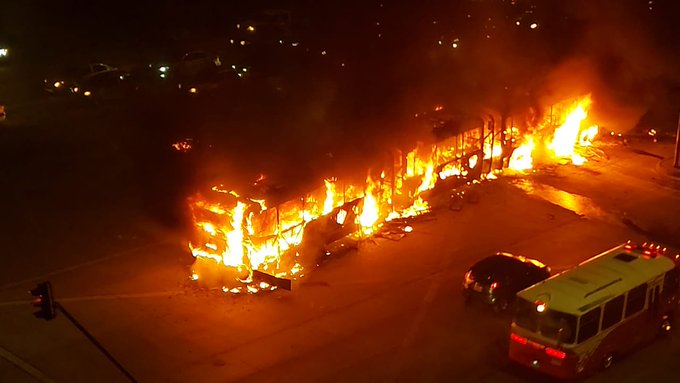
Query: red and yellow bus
x,y
582,319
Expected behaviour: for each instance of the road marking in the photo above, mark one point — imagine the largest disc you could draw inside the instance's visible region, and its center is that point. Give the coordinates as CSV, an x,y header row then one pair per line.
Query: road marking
x,y
34,372
414,329
79,265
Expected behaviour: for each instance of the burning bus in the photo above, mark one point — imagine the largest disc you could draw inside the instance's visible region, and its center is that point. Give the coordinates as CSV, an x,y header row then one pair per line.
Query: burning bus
x,y
246,242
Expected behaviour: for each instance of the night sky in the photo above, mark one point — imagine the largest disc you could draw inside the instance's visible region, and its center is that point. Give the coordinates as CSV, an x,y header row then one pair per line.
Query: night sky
x,y
397,56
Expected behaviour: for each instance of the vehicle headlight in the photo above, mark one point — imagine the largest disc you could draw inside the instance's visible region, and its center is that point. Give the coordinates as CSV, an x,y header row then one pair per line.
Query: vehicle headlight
x,y
57,84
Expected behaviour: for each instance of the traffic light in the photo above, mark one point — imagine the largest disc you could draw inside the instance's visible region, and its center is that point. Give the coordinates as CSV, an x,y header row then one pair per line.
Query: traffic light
x,y
43,300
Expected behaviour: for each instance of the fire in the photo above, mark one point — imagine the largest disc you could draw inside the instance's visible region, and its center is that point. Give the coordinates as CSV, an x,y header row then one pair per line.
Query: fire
x,y
369,210
521,158
565,142
183,146
568,135
242,241
329,203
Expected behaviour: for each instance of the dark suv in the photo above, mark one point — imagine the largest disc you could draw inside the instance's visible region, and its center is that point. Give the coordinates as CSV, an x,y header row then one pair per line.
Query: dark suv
x,y
496,279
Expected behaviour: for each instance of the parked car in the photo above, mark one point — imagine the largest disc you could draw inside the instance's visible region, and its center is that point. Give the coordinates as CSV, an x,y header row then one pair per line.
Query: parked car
x,y
109,84
196,64
496,279
68,80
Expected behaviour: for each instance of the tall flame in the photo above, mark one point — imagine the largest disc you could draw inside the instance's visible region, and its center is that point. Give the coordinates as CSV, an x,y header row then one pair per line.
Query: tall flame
x,y
369,210
568,135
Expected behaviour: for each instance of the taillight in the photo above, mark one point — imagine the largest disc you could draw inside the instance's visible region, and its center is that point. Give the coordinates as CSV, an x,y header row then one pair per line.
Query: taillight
x,y
555,353
519,339
494,285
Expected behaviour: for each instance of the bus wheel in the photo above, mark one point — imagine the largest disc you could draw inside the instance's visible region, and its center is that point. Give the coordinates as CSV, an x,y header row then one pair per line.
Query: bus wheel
x,y
607,361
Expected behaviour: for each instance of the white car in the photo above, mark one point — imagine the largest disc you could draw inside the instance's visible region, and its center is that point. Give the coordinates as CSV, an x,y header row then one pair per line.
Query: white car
x,y
68,80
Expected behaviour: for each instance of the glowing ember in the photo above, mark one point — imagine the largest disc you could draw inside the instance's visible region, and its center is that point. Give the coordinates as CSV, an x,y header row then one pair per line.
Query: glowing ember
x,y
183,146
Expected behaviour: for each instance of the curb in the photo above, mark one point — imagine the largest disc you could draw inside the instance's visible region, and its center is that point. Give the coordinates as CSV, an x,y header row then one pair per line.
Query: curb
x,y
666,172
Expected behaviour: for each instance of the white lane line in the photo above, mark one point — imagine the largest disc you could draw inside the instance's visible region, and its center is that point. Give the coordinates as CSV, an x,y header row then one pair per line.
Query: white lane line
x,y
79,265
34,372
414,329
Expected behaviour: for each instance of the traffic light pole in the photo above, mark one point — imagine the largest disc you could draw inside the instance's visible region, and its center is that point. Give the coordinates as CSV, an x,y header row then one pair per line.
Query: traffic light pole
x,y
95,342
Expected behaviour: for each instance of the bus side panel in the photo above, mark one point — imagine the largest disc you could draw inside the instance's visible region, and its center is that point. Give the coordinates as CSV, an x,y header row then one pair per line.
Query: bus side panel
x,y
623,338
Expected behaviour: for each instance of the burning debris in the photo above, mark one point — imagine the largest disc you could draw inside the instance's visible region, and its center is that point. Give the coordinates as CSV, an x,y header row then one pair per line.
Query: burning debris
x,y
245,243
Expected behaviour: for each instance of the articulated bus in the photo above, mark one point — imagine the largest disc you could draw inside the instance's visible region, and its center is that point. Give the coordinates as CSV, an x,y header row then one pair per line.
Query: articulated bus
x,y
582,319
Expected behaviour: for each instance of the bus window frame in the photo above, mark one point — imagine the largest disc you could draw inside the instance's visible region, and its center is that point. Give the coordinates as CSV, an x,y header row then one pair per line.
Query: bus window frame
x,y
596,323
643,288
607,304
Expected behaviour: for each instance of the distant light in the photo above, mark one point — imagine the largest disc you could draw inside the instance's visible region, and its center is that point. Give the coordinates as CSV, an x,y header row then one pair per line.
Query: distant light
x,y
163,69
242,42
533,26
193,90
75,89
87,93
455,45
238,26
323,53
342,64
162,75
517,22
540,307
280,41
439,42
57,84
4,52
245,69
194,277
233,66
251,28
121,77
408,229
295,44
231,41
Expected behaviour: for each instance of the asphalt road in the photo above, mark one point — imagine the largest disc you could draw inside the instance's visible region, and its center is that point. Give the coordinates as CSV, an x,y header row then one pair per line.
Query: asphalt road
x,y
390,312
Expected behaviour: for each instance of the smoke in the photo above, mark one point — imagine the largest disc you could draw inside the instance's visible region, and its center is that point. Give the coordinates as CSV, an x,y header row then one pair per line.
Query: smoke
x,y
623,59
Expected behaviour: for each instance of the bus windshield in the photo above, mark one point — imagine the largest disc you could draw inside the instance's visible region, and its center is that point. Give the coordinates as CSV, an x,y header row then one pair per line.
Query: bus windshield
x,y
550,323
